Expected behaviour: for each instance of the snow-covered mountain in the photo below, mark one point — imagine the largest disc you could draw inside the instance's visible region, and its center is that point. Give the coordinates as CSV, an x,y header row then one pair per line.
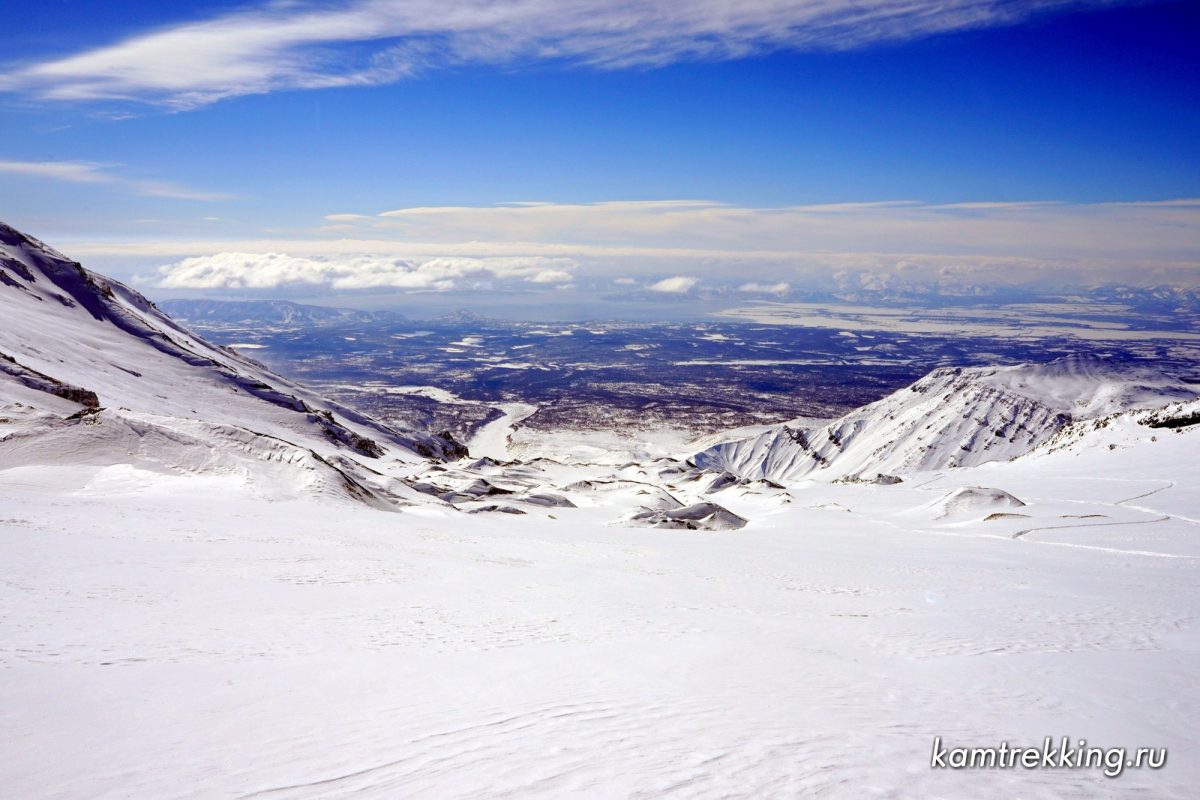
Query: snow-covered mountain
x,y
953,417
91,372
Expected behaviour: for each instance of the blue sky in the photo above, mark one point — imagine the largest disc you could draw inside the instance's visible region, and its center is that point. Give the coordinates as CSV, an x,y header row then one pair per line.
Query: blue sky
x,y
769,139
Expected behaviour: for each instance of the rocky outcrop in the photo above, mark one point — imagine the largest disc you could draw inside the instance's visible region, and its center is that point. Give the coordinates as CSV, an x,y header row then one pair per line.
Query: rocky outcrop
x,y
38,381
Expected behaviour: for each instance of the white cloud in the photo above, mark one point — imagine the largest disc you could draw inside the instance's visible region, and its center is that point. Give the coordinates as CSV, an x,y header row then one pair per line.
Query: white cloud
x,y
72,171
551,276
275,270
301,45
764,288
87,172
679,284
173,191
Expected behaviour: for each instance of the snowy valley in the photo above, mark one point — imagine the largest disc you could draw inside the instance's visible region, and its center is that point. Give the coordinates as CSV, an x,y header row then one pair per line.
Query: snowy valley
x,y
219,583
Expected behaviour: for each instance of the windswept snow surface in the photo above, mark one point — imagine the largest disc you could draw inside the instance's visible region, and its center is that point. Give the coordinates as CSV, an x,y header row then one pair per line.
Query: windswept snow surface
x,y
156,644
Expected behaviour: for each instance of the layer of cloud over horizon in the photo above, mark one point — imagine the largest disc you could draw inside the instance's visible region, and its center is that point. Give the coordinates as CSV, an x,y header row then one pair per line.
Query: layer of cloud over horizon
x,y
1167,229
761,250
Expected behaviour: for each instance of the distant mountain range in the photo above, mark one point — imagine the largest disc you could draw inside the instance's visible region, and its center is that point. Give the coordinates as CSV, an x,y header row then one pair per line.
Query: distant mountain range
x,y
268,312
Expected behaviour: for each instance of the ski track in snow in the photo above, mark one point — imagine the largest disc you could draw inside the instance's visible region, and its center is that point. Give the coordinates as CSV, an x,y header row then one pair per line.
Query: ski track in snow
x,y
1022,534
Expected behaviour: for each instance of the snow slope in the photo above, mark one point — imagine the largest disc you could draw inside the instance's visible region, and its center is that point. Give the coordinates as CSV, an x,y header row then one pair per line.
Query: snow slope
x,y
953,417
74,342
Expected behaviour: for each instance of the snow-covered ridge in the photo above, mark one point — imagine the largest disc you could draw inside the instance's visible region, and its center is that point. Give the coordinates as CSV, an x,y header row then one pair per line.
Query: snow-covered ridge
x,y
953,417
1123,429
74,341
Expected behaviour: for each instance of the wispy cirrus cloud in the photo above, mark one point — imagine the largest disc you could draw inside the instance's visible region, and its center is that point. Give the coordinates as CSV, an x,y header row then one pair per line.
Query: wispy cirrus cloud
x,y
88,172
71,171
311,45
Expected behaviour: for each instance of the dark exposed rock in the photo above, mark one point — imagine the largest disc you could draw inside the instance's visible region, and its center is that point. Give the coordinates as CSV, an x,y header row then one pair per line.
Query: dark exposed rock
x,y
44,383
1182,421
700,516
547,500
724,481
453,449
496,509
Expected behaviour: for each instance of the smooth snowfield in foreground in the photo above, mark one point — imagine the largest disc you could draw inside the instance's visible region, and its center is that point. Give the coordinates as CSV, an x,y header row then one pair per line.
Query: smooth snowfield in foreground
x,y
157,642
